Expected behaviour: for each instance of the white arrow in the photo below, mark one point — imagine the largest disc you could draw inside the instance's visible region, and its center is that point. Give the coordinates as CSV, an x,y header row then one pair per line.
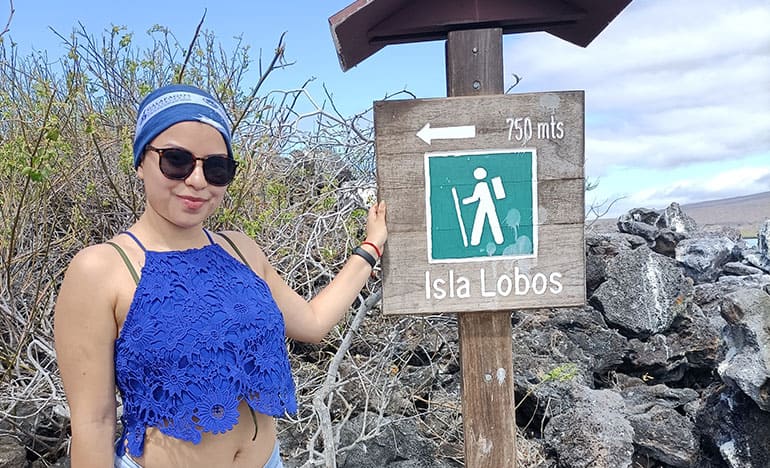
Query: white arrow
x,y
427,134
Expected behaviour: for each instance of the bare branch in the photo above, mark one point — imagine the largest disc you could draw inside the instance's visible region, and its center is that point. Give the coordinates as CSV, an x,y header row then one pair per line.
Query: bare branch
x,y
190,48
279,50
8,23
517,80
109,179
598,210
322,409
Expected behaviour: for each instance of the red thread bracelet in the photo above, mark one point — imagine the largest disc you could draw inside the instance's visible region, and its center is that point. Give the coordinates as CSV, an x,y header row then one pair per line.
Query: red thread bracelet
x,y
379,255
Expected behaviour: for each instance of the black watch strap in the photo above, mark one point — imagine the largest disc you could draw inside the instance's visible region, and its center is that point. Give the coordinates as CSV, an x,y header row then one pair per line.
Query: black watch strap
x,y
365,255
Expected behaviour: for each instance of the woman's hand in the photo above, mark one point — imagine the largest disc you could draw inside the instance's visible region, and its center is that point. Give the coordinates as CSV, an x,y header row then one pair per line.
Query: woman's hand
x,y
376,230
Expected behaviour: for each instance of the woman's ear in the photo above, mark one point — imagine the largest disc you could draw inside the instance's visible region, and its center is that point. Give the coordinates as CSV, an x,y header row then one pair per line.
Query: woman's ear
x,y
140,171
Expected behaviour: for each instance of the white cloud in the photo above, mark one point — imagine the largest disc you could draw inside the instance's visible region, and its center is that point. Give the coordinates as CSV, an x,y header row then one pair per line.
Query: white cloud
x,y
703,185
669,84
736,179
723,185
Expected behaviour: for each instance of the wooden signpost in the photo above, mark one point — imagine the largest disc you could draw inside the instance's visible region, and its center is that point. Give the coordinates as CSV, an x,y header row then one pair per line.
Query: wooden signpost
x,y
485,191
486,208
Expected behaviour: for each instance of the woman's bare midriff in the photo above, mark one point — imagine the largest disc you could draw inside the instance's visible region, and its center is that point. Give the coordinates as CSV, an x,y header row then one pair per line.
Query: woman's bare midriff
x,y
232,449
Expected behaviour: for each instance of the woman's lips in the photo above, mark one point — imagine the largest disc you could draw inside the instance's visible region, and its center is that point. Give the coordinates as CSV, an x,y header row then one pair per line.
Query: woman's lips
x,y
192,203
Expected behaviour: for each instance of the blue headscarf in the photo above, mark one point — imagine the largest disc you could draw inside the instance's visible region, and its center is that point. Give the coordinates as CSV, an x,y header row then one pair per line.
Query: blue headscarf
x,y
176,103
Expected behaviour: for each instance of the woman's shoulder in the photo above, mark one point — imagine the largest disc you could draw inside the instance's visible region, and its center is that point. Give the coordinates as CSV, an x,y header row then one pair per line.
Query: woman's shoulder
x,y
98,260
92,281
93,257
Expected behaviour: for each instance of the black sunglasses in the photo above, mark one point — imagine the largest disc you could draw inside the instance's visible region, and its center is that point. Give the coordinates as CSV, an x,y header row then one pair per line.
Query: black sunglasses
x,y
178,164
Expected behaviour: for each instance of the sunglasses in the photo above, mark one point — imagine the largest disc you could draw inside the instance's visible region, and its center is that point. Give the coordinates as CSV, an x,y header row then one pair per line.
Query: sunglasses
x,y
178,164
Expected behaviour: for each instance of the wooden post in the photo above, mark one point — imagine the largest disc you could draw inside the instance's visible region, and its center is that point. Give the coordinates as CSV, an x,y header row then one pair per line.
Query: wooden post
x,y
474,65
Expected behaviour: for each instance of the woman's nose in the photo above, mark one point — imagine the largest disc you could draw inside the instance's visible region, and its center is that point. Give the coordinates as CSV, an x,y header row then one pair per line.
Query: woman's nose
x,y
197,178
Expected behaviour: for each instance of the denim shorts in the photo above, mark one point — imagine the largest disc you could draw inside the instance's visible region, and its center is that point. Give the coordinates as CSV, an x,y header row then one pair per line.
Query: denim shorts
x,y
274,462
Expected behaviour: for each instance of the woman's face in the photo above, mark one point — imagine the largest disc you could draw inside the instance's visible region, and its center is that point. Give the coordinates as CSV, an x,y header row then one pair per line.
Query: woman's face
x,y
184,203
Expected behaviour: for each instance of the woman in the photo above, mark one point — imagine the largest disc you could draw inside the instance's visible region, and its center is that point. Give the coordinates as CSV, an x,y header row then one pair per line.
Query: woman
x,y
189,324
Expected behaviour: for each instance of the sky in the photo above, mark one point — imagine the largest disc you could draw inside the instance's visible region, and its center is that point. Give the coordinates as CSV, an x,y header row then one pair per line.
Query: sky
x,y
677,91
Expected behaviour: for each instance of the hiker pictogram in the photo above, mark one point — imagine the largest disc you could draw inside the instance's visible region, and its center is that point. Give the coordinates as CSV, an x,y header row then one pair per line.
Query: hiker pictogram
x,y
481,205
485,210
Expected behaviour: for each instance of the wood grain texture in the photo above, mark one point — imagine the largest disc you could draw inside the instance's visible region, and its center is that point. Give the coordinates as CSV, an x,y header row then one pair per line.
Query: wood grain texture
x,y
397,124
489,416
474,63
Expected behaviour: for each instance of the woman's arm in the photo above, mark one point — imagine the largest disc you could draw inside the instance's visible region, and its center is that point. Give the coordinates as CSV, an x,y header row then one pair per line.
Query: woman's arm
x,y
85,332
311,321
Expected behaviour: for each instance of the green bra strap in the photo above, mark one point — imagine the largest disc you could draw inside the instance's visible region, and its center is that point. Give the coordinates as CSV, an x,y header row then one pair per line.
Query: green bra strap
x,y
235,247
126,261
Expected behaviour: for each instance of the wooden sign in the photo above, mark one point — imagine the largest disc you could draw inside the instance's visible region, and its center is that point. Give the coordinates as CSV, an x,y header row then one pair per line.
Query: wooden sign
x,y
485,202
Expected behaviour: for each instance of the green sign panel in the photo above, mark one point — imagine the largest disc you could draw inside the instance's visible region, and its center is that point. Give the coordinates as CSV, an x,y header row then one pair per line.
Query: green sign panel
x,y
481,205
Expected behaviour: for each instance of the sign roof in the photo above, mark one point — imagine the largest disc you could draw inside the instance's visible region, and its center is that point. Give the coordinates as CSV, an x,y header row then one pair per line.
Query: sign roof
x,y
366,26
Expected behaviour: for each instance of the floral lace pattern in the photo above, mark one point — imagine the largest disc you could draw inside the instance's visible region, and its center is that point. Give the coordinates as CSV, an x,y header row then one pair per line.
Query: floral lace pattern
x,y
202,334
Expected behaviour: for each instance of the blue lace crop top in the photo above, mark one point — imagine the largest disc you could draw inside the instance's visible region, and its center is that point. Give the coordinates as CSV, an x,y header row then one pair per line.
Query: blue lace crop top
x,y
202,334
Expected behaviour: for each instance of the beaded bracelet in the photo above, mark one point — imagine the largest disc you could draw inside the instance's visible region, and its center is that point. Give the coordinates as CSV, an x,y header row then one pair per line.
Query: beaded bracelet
x,y
365,255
